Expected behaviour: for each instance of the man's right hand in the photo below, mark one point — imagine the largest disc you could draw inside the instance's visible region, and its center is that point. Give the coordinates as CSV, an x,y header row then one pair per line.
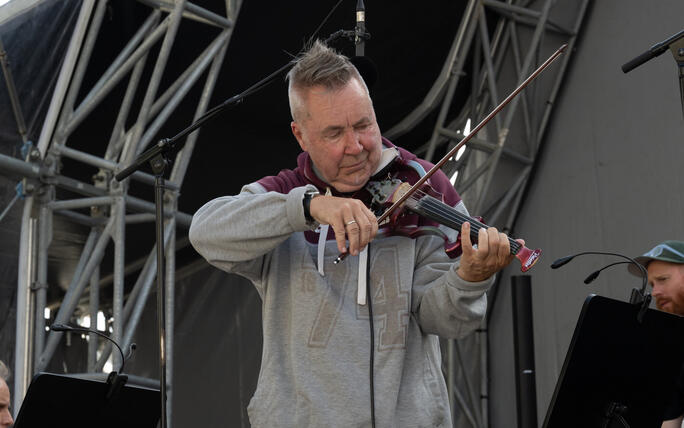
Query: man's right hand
x,y
349,218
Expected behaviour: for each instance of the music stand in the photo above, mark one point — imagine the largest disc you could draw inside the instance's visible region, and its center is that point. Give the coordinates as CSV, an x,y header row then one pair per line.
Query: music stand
x,y
618,372
62,400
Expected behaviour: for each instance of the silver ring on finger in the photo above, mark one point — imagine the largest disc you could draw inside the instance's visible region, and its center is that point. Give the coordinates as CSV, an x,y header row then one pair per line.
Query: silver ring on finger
x,y
350,222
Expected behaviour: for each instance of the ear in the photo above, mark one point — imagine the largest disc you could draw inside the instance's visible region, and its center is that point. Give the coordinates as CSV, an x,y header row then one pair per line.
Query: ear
x,y
298,134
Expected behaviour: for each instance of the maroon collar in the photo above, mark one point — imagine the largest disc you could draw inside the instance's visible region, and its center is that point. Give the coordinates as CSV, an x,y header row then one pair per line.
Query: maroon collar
x,y
305,165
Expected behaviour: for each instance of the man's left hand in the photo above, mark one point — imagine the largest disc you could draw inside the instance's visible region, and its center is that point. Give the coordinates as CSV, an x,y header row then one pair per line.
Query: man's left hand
x,y
492,254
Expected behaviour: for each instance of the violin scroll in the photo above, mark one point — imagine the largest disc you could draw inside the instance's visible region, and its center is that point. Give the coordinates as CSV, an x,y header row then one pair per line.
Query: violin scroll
x,y
527,257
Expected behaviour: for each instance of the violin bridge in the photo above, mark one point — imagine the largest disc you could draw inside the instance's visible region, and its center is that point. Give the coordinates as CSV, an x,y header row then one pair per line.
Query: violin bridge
x,y
400,191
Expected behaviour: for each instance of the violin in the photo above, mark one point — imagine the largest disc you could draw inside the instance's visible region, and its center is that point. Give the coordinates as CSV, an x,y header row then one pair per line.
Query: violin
x,y
417,199
428,203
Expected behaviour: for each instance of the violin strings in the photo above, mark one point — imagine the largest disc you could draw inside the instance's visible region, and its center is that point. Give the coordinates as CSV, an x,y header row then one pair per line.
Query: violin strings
x,y
444,210
447,211
435,207
432,205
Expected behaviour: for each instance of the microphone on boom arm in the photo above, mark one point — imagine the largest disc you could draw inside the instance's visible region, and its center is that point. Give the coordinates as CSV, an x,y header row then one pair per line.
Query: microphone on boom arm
x,y
115,380
637,297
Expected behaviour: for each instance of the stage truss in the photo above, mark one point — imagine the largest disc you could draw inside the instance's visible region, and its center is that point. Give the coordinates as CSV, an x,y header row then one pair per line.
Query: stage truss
x,y
112,208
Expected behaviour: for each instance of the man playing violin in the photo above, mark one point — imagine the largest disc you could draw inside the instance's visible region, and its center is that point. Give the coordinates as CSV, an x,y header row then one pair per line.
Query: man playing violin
x,y
665,266
354,343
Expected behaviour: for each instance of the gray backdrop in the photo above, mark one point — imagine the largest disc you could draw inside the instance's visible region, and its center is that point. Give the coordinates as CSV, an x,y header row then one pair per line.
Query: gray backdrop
x,y
609,178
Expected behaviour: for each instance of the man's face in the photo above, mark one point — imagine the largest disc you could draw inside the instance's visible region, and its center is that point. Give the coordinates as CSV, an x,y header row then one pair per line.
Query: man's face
x,y
339,131
5,415
667,280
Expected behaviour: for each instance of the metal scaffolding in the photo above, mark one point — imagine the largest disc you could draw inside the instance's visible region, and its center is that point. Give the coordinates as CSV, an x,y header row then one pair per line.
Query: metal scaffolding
x,y
491,173
117,208
493,170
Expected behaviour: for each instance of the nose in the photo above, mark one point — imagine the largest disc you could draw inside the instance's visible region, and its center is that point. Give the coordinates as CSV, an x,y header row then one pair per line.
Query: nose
x,y
6,418
352,143
656,290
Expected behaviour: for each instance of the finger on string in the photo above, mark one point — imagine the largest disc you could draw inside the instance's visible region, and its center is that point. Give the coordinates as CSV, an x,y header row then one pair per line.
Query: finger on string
x,y
494,240
504,246
483,241
466,243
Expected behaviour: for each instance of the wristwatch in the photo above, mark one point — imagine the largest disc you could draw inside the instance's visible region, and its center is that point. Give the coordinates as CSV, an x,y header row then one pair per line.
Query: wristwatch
x,y
306,202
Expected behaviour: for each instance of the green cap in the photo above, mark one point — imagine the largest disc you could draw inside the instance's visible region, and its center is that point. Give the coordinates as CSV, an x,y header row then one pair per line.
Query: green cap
x,y
668,251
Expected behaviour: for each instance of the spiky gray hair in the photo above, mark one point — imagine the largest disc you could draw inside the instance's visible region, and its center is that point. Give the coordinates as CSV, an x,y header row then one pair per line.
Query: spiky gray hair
x,y
322,66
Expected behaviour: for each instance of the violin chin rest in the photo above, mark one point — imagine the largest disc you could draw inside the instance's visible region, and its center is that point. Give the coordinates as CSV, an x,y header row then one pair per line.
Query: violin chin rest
x,y
527,258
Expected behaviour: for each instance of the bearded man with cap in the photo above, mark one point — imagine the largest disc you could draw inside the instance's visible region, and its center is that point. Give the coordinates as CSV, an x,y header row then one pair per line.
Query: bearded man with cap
x,y
665,265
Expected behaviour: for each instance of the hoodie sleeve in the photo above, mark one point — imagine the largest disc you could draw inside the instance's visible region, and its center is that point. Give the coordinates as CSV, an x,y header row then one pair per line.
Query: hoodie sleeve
x,y
237,233
445,304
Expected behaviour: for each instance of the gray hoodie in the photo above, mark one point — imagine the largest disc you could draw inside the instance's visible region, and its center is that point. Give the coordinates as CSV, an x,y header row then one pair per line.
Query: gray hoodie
x,y
316,348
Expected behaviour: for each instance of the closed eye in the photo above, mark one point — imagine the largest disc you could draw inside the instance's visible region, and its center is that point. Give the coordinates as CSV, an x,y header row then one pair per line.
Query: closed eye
x,y
362,124
332,133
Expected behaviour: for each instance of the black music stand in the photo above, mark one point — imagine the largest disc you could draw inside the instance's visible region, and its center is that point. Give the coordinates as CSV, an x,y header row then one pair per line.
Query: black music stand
x,y
618,372
62,400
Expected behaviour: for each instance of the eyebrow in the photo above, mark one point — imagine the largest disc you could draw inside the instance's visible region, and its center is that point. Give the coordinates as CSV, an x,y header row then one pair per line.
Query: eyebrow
x,y
364,120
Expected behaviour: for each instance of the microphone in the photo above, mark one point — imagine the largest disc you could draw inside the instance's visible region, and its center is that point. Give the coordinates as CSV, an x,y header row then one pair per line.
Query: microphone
x,y
651,53
360,30
560,262
637,296
592,276
367,69
64,327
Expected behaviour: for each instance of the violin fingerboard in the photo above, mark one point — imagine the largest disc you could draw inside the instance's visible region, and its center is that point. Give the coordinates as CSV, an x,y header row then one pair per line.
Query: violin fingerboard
x,y
442,213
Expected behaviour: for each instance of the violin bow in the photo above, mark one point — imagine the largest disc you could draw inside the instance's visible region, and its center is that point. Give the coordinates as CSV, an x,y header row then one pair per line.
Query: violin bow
x,y
465,139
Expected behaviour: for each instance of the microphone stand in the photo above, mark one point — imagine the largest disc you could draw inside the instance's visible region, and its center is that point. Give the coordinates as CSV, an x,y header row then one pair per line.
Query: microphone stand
x,y
675,44
158,158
